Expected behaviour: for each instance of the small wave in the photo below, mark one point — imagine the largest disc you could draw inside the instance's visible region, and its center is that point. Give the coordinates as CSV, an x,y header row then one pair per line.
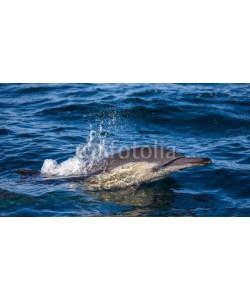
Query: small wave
x,y
24,89
73,108
4,131
134,100
146,93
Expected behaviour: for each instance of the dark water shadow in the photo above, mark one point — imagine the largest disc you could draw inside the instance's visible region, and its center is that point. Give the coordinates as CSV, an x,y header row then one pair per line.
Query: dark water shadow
x,y
137,199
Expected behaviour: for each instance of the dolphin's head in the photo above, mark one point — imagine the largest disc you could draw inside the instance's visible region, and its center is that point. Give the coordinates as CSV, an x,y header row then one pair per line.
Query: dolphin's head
x,y
182,163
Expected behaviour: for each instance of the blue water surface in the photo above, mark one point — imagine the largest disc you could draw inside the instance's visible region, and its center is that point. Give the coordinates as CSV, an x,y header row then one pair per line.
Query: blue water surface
x,y
41,121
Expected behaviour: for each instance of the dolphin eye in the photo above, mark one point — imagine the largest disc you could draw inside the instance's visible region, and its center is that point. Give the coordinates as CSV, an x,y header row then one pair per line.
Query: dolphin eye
x,y
170,155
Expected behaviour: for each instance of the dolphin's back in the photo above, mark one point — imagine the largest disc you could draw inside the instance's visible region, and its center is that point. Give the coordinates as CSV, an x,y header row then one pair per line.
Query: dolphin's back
x,y
153,155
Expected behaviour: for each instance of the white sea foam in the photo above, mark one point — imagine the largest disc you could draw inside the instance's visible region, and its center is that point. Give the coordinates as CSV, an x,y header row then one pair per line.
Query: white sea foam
x,y
88,158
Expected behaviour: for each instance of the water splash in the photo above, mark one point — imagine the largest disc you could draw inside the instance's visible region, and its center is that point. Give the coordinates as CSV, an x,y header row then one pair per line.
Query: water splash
x,y
88,158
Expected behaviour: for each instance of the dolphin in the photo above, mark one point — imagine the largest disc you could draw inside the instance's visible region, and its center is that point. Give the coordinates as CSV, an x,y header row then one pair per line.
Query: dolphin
x,y
140,165
132,167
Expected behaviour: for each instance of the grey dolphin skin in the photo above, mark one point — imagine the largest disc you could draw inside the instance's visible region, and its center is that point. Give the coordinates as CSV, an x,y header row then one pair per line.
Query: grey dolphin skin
x,y
133,166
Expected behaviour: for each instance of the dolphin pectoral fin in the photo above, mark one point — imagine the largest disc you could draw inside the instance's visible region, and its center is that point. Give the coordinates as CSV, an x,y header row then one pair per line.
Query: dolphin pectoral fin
x,y
27,172
158,167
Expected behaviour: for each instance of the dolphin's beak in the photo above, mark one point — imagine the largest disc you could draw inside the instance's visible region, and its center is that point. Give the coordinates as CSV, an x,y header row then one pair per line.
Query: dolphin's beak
x,y
187,162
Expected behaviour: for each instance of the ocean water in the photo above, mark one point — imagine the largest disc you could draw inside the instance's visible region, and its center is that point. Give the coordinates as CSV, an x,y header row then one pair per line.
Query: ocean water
x,y
59,127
